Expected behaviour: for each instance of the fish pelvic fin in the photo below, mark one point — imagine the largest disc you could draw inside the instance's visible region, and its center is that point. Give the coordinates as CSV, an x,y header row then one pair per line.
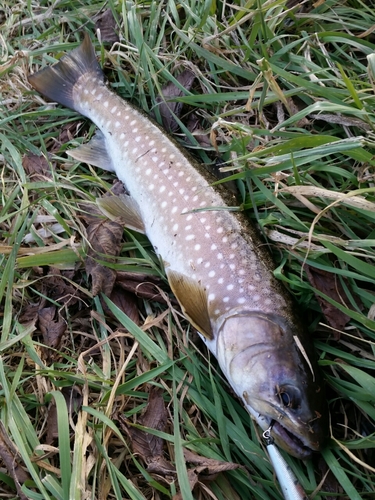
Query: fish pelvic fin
x,y
57,82
123,209
192,298
94,152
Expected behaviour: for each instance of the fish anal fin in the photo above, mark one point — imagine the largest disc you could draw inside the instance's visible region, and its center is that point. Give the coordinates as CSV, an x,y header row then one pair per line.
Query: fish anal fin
x,y
192,298
94,152
123,209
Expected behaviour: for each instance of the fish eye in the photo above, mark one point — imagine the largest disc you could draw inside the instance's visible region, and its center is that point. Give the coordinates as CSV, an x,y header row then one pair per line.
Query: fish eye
x,y
289,396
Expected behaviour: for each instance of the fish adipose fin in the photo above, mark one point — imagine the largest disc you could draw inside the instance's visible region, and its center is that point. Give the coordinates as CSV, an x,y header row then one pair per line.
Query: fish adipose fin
x,y
122,207
57,82
192,298
94,152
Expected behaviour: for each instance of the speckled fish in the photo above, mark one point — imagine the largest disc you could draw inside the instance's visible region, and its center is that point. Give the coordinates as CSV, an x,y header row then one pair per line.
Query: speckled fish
x,y
215,264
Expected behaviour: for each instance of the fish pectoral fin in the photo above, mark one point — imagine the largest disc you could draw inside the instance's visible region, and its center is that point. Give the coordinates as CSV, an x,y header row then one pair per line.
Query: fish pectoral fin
x,y
124,209
94,152
192,298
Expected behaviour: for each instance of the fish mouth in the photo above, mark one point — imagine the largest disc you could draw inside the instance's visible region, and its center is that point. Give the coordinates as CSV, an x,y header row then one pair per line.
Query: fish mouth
x,y
290,442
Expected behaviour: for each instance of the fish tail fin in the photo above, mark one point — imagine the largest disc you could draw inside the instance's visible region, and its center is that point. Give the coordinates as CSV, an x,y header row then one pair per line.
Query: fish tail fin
x,y
58,82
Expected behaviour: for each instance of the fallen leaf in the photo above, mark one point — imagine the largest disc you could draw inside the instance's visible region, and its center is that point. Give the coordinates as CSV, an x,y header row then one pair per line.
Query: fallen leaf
x,y
52,329
57,287
105,239
329,284
169,108
107,25
11,460
146,445
209,466
143,286
125,301
36,167
73,398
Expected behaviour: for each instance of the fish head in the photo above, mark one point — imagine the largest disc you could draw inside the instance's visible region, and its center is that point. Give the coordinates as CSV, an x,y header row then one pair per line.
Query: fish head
x,y
276,375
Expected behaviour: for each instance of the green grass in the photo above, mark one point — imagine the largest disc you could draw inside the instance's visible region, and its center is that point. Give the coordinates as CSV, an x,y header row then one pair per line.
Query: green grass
x,y
289,96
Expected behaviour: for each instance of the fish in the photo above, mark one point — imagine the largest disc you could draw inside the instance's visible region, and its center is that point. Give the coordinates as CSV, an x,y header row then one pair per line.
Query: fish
x,y
216,264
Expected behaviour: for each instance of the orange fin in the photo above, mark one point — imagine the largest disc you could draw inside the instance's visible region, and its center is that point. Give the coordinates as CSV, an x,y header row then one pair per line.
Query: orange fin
x,y
57,82
192,298
94,152
123,209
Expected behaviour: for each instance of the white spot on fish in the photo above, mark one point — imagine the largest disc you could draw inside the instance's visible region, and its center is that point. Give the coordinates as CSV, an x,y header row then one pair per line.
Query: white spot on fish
x,y
224,239
164,204
230,287
133,122
242,300
137,139
151,187
217,311
219,256
109,123
255,299
175,227
134,150
118,113
268,302
180,173
220,281
202,204
122,136
219,230
99,96
163,150
148,171
207,264
211,296
188,179
202,220
232,255
113,110
189,217
190,237
195,198
175,184
181,190
211,274
151,143
234,246
232,267
226,299
197,247
213,246
200,260
207,235
187,228
105,104
135,130
93,92
172,156
127,117
86,91
117,124
170,193
241,272
162,189
178,164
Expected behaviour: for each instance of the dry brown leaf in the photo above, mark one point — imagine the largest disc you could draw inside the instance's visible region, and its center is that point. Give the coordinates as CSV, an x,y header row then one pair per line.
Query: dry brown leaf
x,y
73,398
57,288
143,286
105,238
52,329
106,23
125,301
329,284
36,167
208,466
146,445
170,109
11,459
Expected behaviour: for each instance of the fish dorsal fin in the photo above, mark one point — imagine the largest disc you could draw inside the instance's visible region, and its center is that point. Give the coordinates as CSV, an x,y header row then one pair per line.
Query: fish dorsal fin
x,y
192,298
94,152
122,208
